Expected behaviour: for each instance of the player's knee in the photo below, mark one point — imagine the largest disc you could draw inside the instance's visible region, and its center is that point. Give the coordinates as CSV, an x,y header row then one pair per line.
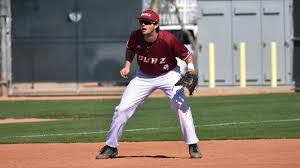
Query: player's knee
x,y
121,114
122,109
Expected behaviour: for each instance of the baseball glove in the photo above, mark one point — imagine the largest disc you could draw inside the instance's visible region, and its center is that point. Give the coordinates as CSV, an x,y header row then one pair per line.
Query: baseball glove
x,y
188,80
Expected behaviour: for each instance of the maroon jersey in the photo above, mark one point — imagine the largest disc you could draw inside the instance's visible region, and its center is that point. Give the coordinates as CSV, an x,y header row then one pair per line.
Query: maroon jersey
x,y
160,56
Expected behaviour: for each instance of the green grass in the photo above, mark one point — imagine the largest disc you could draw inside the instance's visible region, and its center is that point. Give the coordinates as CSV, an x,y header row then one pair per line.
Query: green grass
x,y
223,117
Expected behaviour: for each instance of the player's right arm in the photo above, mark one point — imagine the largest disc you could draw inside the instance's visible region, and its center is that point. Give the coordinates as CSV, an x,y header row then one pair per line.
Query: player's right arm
x,y
130,53
128,59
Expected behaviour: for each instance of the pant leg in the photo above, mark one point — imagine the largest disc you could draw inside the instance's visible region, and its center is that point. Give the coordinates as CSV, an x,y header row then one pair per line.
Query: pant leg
x,y
134,95
180,105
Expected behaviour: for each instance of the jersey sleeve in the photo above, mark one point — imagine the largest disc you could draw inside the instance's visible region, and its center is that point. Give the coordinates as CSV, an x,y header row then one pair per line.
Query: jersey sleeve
x,y
131,43
179,49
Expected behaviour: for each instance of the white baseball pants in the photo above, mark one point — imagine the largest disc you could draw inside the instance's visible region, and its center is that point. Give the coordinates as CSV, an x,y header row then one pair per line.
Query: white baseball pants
x,y
139,88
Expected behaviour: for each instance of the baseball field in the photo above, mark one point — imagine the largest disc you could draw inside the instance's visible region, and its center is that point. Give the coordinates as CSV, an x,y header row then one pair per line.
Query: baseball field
x,y
235,131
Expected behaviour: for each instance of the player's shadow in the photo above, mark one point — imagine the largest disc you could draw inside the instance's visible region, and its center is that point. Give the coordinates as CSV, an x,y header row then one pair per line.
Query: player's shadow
x,y
148,156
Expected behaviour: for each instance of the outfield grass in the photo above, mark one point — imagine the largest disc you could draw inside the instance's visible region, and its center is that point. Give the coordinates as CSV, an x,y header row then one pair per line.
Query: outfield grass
x,y
223,117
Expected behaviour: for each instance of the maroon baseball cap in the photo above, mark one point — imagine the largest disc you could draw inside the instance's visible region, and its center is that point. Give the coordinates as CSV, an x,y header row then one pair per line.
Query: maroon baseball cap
x,y
149,15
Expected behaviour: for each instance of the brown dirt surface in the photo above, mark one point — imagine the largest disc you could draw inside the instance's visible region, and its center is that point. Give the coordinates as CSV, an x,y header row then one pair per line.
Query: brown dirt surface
x,y
23,120
283,153
116,93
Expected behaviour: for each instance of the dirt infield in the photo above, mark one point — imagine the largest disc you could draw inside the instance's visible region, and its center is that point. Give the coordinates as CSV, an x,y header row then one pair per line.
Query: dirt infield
x,y
283,153
24,120
116,93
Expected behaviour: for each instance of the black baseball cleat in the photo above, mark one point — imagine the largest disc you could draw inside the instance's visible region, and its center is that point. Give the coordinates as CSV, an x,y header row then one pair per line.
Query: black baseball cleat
x,y
194,151
107,152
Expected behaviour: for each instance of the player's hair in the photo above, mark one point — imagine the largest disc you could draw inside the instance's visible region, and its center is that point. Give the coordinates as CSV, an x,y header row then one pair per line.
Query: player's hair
x,y
157,29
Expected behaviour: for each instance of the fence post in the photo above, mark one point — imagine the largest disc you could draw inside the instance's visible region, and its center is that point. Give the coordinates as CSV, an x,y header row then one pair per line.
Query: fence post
x,y
242,64
273,62
211,65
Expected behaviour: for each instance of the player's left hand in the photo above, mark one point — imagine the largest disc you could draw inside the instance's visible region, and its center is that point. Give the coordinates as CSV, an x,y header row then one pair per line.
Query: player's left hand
x,y
191,71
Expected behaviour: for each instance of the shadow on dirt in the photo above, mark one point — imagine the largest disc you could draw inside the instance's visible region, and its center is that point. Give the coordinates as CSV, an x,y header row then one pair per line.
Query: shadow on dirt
x,y
147,156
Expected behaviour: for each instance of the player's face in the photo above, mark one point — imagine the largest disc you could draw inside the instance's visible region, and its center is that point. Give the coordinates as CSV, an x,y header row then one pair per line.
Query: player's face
x,y
147,27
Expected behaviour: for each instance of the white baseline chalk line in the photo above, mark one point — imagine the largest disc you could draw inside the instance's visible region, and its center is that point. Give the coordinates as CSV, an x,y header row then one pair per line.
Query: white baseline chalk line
x,y
149,129
249,122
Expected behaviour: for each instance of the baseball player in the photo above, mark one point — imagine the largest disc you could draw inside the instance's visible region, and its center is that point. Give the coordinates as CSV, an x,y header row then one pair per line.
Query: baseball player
x,y
156,53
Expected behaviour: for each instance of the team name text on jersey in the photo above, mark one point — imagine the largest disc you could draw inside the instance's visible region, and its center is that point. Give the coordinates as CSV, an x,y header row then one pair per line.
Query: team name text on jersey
x,y
151,60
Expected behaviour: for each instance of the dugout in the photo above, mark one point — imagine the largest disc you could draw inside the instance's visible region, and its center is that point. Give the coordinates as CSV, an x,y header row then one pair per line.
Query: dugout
x,y
69,45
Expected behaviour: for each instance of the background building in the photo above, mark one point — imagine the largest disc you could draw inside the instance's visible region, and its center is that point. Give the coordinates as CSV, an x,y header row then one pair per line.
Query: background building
x,y
75,46
256,23
296,39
